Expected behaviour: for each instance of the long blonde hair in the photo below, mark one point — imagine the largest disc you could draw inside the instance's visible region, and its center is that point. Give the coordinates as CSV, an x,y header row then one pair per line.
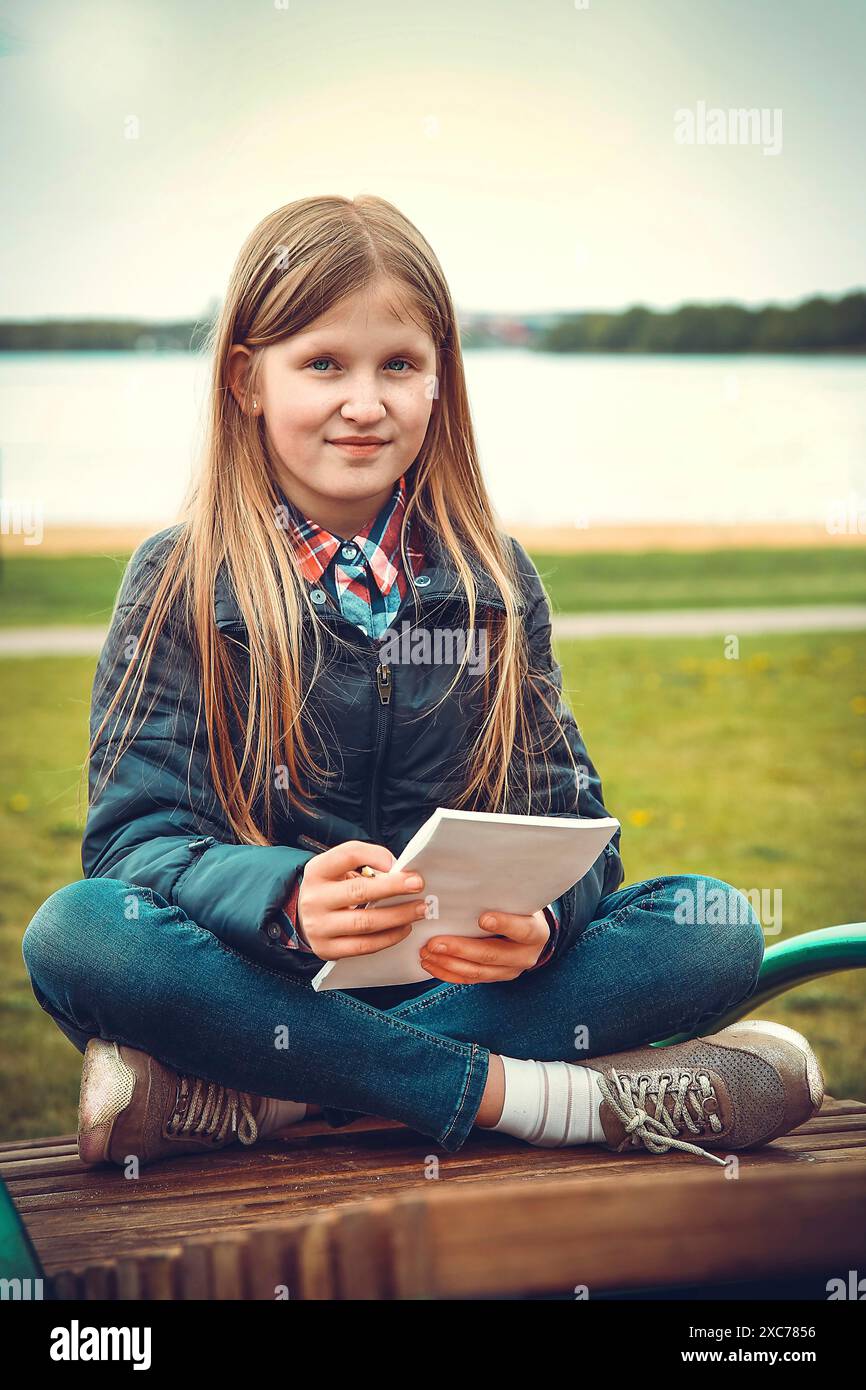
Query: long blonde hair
x,y
299,262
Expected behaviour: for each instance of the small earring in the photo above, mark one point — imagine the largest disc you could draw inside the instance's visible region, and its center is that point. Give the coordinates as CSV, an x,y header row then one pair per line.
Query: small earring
x,y
255,404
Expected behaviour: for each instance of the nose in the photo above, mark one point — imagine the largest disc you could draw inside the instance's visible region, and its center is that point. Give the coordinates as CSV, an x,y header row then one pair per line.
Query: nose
x,y
368,412
364,404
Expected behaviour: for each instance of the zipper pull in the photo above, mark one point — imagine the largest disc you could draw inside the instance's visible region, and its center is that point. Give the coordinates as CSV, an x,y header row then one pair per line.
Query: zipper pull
x,y
383,682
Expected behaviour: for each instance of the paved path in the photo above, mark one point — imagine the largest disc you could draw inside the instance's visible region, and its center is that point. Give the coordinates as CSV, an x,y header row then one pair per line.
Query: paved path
x,y
680,622
710,622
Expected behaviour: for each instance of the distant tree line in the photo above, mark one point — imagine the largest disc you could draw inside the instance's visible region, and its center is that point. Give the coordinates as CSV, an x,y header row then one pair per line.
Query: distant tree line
x,y
101,335
816,325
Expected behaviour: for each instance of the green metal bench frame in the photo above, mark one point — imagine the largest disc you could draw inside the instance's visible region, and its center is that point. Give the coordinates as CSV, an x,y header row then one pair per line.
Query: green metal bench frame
x,y
791,963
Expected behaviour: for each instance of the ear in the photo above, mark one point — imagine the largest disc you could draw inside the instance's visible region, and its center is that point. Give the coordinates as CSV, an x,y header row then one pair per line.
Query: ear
x,y
236,373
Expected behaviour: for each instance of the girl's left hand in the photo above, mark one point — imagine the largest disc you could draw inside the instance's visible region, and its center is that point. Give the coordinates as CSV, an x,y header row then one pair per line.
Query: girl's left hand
x,y
515,944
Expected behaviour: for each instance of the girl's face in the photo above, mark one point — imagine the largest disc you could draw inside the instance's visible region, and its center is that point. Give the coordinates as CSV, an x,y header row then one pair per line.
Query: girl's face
x,y
358,372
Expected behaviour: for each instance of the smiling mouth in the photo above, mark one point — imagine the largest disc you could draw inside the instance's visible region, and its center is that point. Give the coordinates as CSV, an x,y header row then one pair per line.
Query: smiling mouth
x,y
371,446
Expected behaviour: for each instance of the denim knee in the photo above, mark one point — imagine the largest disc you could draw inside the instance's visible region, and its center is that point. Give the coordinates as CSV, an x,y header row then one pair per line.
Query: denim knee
x,y
65,918
726,926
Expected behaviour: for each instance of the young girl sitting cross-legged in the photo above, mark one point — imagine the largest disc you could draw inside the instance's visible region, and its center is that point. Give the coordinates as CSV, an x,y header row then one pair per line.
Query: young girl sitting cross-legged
x,y
250,752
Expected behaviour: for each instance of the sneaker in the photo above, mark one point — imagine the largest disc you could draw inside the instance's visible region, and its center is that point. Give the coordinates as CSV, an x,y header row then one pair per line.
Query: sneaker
x,y
132,1104
739,1088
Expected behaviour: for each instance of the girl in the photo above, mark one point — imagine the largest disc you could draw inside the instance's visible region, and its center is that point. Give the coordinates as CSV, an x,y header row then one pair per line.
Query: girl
x,y
250,750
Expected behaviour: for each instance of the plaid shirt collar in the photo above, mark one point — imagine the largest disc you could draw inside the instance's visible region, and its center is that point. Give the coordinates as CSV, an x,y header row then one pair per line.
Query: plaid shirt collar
x,y
315,547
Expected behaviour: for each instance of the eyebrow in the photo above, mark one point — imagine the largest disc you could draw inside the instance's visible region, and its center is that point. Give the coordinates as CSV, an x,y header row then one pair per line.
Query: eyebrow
x,y
320,341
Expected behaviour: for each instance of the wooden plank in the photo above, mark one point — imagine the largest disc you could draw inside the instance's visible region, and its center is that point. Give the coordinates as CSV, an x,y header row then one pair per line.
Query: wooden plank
x,y
227,1267
316,1274
706,1229
129,1282
44,1151
11,1145
832,1106
821,1143
411,1258
99,1281
194,1270
362,1253
834,1124
67,1285
157,1274
273,1269
66,1165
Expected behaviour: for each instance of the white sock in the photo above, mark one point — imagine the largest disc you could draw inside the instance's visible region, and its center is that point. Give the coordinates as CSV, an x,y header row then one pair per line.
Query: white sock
x,y
550,1103
277,1113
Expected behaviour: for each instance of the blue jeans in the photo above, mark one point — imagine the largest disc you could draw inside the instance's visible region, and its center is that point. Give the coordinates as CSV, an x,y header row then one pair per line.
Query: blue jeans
x,y
110,959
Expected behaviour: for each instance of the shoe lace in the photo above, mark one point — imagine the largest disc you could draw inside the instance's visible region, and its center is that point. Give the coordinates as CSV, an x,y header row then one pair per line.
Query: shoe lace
x,y
210,1109
659,1132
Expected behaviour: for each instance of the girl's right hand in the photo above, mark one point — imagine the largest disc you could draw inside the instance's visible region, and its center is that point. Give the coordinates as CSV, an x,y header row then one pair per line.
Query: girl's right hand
x,y
328,909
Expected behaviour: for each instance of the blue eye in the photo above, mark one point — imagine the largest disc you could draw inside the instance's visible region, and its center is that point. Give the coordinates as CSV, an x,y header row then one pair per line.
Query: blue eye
x,y
404,360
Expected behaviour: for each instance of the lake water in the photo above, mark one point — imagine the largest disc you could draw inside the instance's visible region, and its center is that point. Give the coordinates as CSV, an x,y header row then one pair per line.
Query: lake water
x,y
564,440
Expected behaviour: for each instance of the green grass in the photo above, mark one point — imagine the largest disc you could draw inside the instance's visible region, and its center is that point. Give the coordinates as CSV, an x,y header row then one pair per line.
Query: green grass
x,y
705,579
750,770
42,589
48,589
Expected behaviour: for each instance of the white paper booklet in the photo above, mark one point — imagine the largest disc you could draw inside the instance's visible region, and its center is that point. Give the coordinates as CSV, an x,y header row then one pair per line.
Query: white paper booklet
x,y
471,861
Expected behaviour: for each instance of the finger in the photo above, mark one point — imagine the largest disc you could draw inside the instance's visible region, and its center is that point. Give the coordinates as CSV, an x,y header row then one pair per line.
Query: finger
x,y
465,971
480,949
510,924
354,892
351,854
341,946
374,921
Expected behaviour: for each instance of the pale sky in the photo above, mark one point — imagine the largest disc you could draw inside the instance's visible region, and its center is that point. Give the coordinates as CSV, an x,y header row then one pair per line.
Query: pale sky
x,y
532,143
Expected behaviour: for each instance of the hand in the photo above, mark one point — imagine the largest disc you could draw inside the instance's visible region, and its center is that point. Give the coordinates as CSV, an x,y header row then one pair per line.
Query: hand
x,y
515,947
329,911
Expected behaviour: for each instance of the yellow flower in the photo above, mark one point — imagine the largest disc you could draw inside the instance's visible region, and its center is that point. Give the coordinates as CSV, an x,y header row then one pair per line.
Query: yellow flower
x,y
858,704
19,802
759,662
640,817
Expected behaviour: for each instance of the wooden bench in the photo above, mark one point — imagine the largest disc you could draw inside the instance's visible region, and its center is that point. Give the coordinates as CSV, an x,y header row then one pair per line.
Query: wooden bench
x,y
374,1210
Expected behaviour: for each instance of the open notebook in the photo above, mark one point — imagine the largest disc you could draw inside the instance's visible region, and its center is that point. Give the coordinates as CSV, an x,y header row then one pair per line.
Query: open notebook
x,y
471,861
